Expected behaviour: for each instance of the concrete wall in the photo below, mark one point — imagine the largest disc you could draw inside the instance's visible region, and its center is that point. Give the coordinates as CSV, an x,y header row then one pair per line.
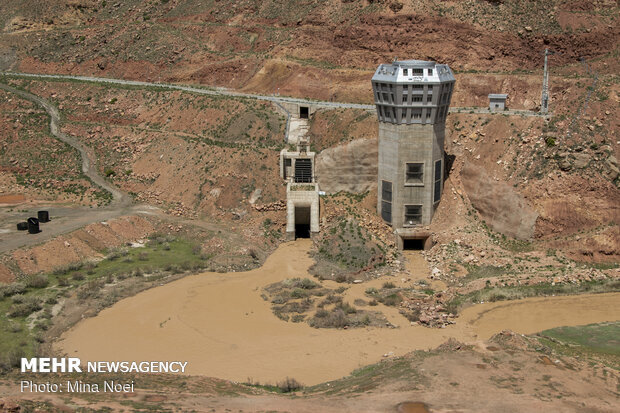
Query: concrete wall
x,y
496,105
293,108
293,156
398,145
303,198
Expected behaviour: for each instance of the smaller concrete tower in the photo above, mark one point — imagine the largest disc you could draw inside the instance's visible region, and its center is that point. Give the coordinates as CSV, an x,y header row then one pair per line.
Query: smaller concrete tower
x,y
412,99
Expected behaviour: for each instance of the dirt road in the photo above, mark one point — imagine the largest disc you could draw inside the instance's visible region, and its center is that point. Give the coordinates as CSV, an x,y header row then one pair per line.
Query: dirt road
x,y
65,219
270,98
89,167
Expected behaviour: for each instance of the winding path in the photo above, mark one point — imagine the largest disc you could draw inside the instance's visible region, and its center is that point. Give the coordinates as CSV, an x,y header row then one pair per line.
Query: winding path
x,y
89,167
122,203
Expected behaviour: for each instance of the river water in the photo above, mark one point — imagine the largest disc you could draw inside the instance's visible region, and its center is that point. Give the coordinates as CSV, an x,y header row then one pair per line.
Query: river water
x,y
222,327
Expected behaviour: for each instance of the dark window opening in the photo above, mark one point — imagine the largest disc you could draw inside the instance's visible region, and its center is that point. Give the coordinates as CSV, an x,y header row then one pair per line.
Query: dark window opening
x,y
415,244
417,98
304,112
386,191
415,173
417,72
302,222
287,164
386,201
430,72
413,214
386,211
437,189
405,71
302,231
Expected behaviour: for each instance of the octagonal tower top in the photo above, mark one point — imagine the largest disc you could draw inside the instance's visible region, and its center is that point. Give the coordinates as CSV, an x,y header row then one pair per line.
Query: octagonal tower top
x,y
412,91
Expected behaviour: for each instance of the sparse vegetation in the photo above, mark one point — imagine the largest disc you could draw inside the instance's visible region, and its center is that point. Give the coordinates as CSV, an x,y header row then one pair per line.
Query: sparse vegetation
x,y
38,293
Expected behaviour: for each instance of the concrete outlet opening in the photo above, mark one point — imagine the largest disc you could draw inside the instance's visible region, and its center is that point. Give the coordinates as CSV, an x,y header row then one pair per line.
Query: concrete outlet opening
x,y
302,222
414,240
304,112
415,244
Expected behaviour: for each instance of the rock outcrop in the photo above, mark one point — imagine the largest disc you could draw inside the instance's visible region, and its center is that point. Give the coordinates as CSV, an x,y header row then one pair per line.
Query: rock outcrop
x,y
503,209
351,167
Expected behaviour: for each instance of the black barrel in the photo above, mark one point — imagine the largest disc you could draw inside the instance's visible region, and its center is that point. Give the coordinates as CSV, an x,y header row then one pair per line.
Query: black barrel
x,y
33,225
43,216
22,226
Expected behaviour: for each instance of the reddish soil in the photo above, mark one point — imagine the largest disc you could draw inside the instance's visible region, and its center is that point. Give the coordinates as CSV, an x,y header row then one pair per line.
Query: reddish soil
x,y
12,199
80,245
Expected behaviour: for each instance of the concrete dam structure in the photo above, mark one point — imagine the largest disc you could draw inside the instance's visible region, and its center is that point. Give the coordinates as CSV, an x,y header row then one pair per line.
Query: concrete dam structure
x,y
412,98
302,191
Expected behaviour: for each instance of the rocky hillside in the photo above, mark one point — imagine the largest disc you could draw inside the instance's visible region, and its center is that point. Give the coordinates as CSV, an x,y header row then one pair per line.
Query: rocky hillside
x,y
266,45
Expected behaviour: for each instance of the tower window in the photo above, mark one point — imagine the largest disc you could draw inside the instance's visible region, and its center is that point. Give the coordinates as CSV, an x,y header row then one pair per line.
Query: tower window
x,y
386,201
413,214
437,188
417,113
414,173
417,72
430,72
418,86
417,98
405,72
429,98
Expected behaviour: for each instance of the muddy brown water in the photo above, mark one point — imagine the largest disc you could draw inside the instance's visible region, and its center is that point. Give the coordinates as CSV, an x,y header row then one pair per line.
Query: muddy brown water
x,y
412,407
222,327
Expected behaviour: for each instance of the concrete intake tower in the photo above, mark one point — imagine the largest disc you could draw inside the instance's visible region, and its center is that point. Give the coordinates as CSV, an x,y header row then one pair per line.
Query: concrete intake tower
x,y
412,99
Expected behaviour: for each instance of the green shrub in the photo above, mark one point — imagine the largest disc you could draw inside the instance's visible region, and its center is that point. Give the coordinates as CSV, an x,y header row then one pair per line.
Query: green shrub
x,y
347,308
391,300
11,359
37,281
17,299
289,385
307,284
371,291
11,289
298,293
334,319
321,313
28,306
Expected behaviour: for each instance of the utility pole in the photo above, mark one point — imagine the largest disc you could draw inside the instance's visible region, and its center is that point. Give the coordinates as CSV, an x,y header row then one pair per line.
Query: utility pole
x,y
544,103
